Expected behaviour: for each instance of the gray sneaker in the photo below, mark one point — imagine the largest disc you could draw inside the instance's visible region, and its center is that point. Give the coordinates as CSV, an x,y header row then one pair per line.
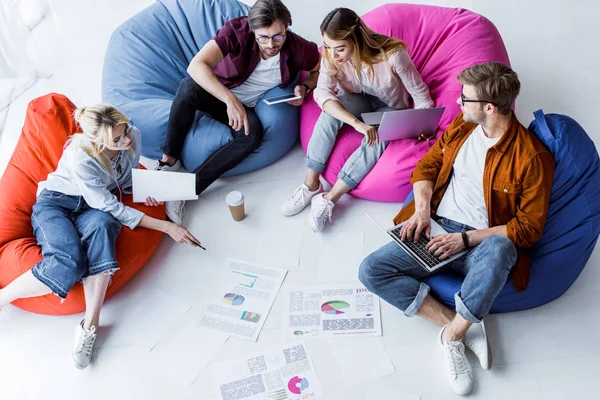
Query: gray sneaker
x,y
175,210
160,166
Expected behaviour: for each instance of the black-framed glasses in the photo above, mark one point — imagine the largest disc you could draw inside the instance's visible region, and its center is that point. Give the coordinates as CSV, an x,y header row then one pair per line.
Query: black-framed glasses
x,y
464,100
265,39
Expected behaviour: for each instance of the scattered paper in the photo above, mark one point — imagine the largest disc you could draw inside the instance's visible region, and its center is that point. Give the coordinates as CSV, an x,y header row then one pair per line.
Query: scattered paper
x,y
280,250
242,299
154,313
379,393
285,374
162,185
361,360
340,256
188,353
332,310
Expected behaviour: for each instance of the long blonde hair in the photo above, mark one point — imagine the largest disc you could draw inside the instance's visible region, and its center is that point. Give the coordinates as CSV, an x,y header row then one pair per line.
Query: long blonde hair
x,y
368,46
97,123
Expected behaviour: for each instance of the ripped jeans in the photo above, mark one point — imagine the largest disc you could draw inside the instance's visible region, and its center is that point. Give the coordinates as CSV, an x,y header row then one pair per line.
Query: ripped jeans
x,y
76,240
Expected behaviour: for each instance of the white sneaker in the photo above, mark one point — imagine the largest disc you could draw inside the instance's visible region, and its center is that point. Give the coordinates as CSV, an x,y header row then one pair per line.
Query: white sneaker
x,y
299,200
476,341
83,345
158,166
458,368
320,212
175,210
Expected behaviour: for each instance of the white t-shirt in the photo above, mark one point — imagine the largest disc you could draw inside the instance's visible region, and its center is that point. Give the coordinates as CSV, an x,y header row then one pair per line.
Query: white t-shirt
x,y
266,76
463,201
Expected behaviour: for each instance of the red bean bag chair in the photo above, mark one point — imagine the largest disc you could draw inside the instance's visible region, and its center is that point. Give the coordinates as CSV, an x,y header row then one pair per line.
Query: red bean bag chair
x,y
48,124
441,42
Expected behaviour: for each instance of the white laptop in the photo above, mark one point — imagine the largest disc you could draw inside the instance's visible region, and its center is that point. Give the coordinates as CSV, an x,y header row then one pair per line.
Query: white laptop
x,y
418,251
405,124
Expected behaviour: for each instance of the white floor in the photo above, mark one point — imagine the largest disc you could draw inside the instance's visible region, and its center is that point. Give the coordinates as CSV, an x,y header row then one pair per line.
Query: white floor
x,y
552,352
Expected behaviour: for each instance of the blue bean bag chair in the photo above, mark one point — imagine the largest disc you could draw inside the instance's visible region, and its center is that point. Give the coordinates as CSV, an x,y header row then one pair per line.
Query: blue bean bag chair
x,y
572,226
148,56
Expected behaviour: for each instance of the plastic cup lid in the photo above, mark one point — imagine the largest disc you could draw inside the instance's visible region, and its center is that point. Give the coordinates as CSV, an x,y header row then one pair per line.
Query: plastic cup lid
x,y
234,198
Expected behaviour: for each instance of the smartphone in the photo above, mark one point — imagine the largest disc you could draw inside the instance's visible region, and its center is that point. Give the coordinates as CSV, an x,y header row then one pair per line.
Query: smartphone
x,y
282,99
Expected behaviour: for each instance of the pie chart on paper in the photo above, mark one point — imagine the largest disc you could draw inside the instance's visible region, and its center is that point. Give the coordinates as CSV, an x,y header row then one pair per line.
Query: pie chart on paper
x,y
233,299
335,307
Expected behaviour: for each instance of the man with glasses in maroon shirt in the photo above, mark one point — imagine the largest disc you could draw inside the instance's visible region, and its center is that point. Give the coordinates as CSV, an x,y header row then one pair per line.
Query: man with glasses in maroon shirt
x,y
247,57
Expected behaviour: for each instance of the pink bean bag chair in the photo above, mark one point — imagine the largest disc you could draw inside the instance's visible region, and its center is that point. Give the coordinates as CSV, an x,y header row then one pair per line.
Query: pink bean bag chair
x,y
441,42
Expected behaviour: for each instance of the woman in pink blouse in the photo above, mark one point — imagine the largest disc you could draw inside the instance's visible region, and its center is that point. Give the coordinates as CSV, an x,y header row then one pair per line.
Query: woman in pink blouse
x,y
361,71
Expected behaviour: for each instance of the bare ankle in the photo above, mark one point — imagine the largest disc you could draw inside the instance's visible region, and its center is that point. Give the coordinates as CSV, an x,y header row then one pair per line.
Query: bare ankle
x,y
88,325
168,159
312,186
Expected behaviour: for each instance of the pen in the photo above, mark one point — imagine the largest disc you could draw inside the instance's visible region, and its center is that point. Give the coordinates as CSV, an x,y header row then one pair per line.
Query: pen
x,y
202,247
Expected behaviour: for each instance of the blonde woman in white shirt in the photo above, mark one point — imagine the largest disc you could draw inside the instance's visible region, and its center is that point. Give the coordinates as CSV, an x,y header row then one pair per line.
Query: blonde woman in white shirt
x,y
361,71
77,218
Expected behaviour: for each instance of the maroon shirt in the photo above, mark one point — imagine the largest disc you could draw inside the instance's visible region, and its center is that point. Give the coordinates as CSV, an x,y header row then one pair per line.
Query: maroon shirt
x,y
241,54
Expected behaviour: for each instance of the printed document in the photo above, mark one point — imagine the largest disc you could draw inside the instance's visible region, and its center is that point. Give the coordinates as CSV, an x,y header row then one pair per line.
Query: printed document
x,y
242,299
285,374
332,310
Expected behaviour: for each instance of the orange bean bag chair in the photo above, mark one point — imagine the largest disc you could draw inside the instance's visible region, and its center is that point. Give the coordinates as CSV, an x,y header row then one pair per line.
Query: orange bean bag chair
x,y
48,124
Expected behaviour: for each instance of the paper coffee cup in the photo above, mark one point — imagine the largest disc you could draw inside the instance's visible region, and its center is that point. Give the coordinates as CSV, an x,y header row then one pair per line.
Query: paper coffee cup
x,y
235,201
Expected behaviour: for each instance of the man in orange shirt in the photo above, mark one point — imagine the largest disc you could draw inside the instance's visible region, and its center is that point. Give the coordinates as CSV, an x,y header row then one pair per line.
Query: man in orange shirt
x,y
487,182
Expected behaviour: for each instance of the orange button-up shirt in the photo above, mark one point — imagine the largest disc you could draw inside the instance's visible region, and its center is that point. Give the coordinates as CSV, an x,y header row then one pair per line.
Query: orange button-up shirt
x,y
517,182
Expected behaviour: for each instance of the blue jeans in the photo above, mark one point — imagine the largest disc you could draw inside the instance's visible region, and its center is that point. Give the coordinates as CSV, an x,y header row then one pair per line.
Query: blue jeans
x,y
362,161
394,276
76,240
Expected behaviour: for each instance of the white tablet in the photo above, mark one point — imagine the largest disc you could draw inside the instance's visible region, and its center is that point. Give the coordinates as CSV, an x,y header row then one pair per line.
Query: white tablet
x,y
282,99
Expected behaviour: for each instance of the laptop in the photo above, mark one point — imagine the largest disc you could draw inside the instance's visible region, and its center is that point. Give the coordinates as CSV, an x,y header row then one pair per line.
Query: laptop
x,y
404,124
418,251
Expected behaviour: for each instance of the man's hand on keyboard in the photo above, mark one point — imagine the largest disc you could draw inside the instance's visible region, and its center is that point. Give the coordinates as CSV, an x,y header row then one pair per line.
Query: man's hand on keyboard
x,y
419,223
444,246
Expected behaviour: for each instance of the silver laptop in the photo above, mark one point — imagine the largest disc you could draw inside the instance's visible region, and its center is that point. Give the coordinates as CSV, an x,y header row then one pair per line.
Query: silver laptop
x,y
418,251
405,124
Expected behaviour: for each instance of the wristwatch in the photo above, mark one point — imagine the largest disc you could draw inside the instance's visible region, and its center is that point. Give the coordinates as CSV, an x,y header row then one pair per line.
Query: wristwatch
x,y
305,87
465,239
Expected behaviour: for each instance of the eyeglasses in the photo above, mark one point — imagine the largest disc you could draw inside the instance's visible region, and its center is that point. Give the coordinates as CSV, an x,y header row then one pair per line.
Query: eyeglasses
x,y
118,142
464,100
276,38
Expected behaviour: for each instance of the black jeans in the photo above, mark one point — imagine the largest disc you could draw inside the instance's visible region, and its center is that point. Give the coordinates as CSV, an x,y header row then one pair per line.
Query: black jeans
x,y
190,98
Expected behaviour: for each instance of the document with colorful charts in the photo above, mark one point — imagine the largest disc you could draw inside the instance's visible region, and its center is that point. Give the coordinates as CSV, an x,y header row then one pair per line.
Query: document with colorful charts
x,y
345,309
242,299
283,374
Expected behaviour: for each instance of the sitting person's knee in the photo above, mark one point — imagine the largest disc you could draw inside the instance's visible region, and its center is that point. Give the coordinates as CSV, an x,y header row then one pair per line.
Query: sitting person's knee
x,y
500,246
365,270
187,87
106,222
255,131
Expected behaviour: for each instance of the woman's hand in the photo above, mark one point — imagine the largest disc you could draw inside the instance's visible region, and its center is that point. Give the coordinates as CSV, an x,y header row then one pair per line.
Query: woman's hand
x,y
181,234
152,202
369,131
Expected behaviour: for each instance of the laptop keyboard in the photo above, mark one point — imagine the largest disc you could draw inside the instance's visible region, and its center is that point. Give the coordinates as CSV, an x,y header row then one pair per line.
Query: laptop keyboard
x,y
419,248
